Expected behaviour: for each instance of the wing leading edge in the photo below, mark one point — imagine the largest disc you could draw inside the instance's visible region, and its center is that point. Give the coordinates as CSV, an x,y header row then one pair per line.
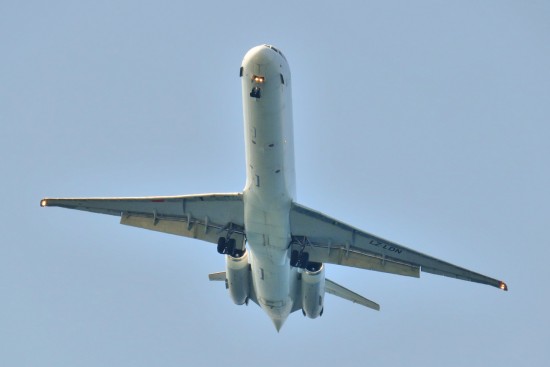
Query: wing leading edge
x,y
328,240
202,217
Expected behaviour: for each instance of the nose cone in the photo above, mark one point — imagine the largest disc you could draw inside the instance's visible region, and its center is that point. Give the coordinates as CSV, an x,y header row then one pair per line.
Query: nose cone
x,y
261,55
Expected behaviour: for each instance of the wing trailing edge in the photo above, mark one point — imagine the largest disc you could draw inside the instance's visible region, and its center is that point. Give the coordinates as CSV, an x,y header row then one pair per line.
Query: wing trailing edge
x,y
328,240
202,216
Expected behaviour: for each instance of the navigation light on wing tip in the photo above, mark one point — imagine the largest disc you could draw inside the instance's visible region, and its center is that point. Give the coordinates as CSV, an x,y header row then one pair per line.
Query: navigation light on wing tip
x,y
503,286
43,202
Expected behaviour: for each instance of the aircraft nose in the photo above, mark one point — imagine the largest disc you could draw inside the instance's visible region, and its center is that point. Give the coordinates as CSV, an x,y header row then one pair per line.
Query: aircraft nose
x,y
261,55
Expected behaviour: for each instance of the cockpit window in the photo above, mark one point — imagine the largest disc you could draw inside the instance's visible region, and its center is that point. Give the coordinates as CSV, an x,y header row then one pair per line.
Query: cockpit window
x,y
276,50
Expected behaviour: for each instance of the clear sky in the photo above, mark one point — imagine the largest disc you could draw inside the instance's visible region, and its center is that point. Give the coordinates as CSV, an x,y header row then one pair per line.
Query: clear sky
x,y
425,122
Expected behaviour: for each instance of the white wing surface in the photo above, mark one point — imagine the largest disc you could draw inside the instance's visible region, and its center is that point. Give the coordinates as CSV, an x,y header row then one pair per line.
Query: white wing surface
x,y
328,240
202,217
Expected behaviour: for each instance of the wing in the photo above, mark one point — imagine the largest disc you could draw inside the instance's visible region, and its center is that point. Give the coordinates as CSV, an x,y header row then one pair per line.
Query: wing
x,y
328,240
202,217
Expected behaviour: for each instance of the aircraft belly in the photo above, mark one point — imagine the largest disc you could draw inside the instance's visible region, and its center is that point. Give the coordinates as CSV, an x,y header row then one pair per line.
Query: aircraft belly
x,y
269,188
274,283
268,236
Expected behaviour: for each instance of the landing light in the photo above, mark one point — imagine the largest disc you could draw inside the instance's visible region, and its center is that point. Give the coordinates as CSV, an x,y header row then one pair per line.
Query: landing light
x,y
43,202
503,286
258,79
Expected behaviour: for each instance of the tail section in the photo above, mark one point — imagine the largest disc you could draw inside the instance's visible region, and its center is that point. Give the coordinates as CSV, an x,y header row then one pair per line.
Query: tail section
x,y
217,277
222,277
338,290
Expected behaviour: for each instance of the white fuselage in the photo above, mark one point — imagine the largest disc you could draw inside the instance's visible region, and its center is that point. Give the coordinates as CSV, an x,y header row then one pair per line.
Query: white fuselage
x,y
270,178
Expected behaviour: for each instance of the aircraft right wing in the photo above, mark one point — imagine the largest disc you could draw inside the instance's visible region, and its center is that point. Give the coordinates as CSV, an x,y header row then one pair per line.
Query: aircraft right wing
x,y
205,217
327,240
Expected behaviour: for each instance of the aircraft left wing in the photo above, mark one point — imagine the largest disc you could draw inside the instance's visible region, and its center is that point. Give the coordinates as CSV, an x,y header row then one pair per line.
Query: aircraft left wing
x,y
205,217
327,240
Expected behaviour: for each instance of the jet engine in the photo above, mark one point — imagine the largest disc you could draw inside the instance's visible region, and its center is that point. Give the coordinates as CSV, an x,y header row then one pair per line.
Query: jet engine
x,y
238,278
313,290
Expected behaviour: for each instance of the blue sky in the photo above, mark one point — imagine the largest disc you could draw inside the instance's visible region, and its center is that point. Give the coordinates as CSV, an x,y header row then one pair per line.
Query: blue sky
x,y
423,122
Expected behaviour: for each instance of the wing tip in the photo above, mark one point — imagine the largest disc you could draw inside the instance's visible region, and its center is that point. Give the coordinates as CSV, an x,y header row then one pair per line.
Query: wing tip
x,y
44,202
503,286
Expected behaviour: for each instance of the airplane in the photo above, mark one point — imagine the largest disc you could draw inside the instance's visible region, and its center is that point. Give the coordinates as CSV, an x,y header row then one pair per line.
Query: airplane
x,y
275,249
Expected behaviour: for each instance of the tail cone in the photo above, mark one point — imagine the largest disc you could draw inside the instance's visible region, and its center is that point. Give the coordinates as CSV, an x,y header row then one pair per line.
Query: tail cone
x,y
278,323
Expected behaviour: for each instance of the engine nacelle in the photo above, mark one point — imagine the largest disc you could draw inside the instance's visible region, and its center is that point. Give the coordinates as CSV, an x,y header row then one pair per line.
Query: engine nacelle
x,y
313,290
238,278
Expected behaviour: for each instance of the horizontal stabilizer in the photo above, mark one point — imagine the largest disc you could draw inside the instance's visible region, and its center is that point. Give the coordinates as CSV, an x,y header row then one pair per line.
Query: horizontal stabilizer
x,y
222,276
338,290
217,277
